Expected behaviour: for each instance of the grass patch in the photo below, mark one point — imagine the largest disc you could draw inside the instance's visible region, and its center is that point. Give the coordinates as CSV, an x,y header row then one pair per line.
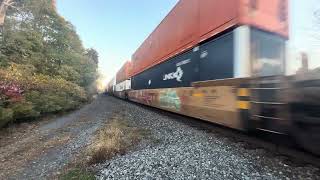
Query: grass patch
x,y
116,138
78,174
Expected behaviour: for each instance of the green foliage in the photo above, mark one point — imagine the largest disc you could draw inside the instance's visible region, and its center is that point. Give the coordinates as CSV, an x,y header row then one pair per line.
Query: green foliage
x,y
23,110
93,55
69,73
41,53
6,115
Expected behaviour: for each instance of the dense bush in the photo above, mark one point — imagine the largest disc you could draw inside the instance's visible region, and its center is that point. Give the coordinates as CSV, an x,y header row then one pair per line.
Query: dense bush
x,y
6,115
26,95
43,65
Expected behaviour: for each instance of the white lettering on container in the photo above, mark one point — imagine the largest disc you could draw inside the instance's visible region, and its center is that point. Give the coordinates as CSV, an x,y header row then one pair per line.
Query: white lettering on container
x,y
174,75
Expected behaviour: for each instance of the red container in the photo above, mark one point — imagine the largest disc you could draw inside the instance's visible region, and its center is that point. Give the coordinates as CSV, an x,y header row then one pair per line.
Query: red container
x,y
124,73
193,21
110,85
270,15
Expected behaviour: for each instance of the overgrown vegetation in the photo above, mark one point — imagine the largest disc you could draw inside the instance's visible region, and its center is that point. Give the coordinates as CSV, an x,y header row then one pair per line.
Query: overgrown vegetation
x,y
115,139
44,67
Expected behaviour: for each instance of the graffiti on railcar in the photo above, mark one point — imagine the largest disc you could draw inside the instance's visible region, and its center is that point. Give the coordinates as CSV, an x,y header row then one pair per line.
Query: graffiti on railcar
x,y
170,99
148,97
145,97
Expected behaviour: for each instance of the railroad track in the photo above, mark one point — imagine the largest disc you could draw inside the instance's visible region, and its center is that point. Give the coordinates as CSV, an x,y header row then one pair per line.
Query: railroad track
x,y
277,145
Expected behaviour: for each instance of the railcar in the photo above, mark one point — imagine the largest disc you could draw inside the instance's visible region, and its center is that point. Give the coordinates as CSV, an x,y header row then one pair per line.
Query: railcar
x,y
223,62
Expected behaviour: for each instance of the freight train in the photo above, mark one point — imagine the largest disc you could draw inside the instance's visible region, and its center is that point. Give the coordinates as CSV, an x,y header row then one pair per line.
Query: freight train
x,y
225,62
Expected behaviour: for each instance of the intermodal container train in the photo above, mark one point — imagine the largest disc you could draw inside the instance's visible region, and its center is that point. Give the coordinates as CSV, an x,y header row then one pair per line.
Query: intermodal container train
x,y
224,62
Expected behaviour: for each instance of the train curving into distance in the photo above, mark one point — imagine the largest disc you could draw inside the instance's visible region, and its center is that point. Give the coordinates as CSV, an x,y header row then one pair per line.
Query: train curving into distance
x,y
225,62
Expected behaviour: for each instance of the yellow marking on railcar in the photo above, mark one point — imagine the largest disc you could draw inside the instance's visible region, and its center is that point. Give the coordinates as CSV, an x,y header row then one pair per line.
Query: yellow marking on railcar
x,y
243,104
198,95
243,92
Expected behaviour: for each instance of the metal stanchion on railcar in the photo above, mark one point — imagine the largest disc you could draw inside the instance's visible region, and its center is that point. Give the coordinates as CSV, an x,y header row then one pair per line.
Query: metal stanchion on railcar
x,y
243,105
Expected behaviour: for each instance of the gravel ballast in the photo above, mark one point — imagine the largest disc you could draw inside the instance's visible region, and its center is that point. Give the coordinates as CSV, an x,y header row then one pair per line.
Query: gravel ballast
x,y
180,151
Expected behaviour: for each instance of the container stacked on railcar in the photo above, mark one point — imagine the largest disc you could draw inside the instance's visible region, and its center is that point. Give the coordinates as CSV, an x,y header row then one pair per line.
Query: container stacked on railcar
x,y
214,43
123,80
220,43
205,40
111,86
216,60
192,22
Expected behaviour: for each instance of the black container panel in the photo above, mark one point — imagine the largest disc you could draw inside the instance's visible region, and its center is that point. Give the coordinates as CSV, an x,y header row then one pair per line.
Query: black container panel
x,y
214,60
179,71
217,58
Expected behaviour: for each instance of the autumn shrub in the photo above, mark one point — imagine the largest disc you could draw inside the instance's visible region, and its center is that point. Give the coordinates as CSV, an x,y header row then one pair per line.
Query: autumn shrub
x,y
25,94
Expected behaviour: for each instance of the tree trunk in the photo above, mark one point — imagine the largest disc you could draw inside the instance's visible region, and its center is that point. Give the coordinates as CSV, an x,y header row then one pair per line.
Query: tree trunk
x,y
3,11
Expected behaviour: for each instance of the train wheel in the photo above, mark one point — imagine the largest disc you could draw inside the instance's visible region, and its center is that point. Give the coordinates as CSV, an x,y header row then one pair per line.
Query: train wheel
x,y
307,134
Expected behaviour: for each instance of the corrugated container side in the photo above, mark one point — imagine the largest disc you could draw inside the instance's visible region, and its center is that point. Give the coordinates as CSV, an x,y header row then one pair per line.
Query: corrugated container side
x,y
217,16
193,21
128,70
124,73
119,75
270,15
176,33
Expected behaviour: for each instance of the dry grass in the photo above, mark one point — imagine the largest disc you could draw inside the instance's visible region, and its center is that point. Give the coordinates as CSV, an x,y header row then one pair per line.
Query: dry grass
x,y
116,138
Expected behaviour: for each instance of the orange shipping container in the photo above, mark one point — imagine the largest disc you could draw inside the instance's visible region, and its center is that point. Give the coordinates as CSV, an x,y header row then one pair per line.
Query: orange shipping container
x,y
193,21
124,73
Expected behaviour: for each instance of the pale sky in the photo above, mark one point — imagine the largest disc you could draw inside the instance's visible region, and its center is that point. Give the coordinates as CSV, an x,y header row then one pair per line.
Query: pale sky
x,y
304,32
117,28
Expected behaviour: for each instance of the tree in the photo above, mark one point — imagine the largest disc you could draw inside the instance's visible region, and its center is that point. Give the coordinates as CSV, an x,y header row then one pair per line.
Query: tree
x,y
93,55
36,35
4,4
44,57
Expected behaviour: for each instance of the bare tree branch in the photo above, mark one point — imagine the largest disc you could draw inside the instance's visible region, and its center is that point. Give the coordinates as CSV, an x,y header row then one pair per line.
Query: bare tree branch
x,y
3,10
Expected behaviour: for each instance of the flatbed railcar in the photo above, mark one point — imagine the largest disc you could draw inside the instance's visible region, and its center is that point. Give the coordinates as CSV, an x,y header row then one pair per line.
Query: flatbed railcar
x,y
225,65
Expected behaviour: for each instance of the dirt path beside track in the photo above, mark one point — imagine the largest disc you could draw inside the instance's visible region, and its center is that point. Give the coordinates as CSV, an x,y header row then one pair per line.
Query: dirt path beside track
x,y
40,150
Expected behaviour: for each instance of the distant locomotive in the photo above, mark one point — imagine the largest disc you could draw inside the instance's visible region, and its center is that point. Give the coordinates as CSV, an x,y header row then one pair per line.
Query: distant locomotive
x,y
224,62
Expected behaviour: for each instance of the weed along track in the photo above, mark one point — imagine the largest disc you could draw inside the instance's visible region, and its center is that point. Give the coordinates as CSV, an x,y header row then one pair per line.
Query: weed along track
x,y
116,138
